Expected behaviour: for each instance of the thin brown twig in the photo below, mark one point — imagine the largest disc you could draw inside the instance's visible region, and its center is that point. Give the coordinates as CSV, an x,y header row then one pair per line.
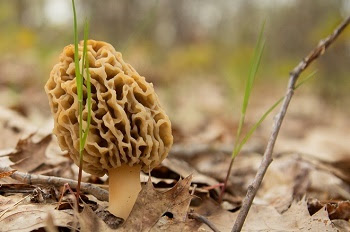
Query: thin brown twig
x,y
28,178
267,158
204,220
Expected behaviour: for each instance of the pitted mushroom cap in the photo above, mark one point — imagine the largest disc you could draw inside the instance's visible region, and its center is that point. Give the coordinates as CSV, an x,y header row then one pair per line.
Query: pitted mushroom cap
x,y
128,126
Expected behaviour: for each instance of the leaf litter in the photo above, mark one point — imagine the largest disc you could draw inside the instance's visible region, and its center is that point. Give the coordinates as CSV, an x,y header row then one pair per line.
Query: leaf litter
x,y
26,149
291,177
266,218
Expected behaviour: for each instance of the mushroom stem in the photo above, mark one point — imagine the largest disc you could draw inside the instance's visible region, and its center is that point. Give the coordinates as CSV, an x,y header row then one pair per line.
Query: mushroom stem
x,y
124,187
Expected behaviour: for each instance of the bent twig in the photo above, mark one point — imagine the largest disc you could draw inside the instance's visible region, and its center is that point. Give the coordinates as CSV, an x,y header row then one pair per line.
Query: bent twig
x,y
267,159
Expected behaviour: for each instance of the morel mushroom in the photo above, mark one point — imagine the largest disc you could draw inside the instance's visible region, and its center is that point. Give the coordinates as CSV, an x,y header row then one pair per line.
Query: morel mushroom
x,y
129,130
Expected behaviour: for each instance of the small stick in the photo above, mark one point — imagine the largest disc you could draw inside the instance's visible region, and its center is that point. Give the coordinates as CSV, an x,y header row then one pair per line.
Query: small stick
x,y
267,159
27,178
204,220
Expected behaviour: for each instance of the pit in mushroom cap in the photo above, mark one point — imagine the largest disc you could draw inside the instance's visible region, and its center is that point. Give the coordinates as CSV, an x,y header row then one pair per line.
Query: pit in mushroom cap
x,y
128,126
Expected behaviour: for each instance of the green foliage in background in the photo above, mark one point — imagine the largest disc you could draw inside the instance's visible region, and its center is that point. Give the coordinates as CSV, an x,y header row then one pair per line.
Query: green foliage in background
x,y
198,52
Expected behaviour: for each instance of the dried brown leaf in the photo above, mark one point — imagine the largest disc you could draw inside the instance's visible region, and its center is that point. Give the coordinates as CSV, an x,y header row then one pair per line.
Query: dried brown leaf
x,y
13,126
266,218
341,210
90,222
150,213
335,209
24,217
156,210
287,179
29,155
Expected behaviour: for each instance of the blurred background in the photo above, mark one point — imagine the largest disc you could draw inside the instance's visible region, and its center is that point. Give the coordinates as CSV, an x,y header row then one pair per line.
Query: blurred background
x,y
197,53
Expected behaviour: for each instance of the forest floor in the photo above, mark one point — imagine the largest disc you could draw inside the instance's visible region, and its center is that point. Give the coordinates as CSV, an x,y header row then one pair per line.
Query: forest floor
x,y
306,188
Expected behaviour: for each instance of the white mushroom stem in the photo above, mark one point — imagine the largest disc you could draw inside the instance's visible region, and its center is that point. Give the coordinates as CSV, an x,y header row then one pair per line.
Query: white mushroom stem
x,y
124,187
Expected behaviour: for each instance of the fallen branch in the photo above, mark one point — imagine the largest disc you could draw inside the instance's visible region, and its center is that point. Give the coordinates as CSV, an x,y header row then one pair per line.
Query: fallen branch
x,y
267,158
33,179
204,220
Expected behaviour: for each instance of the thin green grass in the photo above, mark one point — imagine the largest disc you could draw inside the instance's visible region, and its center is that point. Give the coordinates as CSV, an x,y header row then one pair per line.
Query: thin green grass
x,y
88,84
83,133
257,124
248,89
258,51
307,78
249,85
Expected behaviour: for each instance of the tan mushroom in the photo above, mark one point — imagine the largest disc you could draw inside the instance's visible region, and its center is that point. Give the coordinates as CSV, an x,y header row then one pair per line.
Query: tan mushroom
x,y
129,130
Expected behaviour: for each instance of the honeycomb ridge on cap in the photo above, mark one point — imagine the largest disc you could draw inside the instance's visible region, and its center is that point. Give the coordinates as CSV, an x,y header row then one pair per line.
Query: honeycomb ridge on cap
x,y
128,125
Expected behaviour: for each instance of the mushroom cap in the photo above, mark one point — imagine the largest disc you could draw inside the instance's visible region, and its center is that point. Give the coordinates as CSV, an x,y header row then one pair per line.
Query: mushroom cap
x,y
128,125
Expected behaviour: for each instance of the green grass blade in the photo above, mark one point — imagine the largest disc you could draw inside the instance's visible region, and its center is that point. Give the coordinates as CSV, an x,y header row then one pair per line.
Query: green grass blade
x,y
305,79
88,84
256,125
76,53
258,51
78,74
254,68
80,83
84,53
